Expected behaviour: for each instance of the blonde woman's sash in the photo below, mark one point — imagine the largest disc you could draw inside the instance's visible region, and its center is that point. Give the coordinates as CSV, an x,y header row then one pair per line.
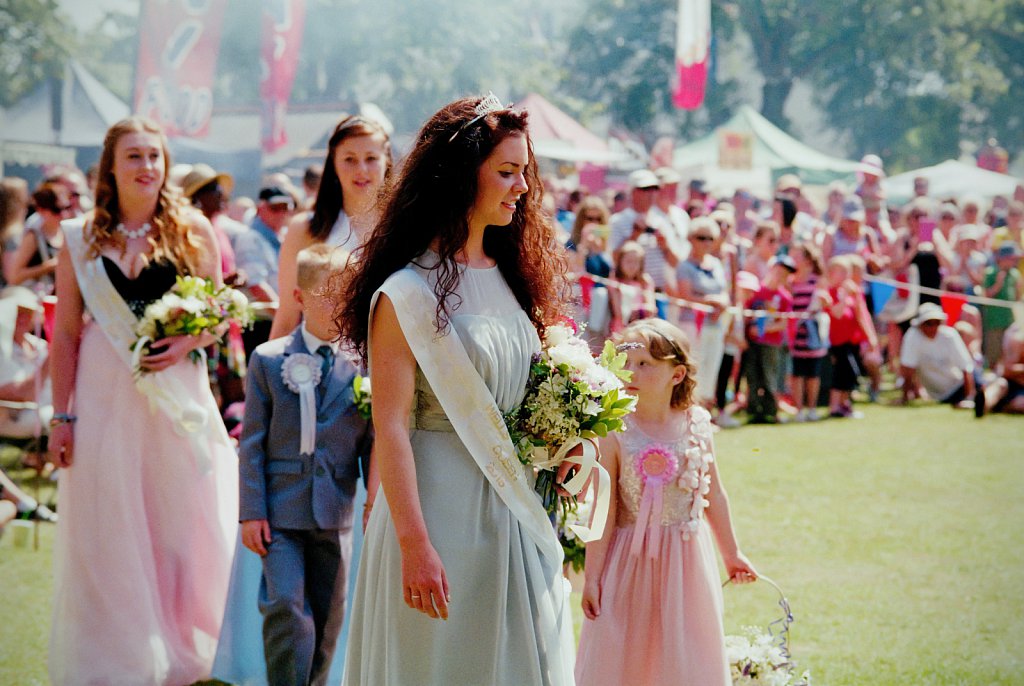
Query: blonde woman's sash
x,y
168,391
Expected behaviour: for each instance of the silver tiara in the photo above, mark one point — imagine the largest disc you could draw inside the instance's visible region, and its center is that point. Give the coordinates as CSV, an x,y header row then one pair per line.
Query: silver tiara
x,y
488,104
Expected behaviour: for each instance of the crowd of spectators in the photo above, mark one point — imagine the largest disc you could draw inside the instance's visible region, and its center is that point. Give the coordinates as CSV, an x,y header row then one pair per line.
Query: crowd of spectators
x,y
780,295
792,304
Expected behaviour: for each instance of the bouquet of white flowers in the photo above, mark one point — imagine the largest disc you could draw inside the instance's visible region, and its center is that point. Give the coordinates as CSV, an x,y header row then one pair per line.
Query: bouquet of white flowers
x,y
570,396
192,307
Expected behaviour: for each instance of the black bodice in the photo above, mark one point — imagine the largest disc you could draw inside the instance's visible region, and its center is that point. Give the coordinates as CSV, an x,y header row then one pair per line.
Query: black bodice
x,y
155,279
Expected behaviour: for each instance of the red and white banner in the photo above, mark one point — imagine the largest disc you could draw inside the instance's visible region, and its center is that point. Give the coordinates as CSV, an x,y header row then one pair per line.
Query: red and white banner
x,y
279,56
693,38
178,45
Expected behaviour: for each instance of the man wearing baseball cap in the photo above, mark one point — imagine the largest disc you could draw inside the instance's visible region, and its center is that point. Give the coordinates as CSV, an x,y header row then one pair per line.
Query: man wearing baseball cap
x,y
666,209
256,252
638,223
934,356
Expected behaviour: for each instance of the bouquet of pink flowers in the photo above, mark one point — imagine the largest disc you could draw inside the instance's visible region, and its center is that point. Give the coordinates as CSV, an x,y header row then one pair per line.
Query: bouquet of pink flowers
x,y
570,396
192,307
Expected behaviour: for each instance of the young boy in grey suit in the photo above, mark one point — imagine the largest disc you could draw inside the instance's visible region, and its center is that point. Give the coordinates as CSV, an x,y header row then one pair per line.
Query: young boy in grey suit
x,y
300,455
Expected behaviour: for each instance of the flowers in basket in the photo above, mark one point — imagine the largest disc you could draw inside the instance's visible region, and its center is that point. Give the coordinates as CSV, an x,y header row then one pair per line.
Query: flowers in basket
x,y
570,396
758,657
193,306
362,396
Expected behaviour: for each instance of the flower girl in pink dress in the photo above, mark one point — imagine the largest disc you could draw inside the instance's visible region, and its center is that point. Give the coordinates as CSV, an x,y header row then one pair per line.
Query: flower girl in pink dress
x,y
652,598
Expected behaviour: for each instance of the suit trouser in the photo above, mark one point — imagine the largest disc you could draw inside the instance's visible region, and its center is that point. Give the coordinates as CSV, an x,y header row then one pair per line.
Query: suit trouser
x,y
302,600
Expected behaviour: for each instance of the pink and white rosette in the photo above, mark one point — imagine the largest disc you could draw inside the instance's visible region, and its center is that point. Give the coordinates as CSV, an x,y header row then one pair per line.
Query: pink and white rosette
x,y
657,466
301,374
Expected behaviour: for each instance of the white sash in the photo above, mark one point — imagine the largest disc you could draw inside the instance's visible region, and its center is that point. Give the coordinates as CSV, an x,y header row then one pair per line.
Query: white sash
x,y
468,404
168,390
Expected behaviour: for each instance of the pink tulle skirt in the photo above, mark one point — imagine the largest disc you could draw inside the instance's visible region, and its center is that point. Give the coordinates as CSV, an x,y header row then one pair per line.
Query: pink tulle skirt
x,y
661,615
146,533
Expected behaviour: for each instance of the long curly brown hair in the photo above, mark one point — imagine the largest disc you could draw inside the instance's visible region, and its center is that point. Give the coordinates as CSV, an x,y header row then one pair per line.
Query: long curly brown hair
x,y
174,239
428,205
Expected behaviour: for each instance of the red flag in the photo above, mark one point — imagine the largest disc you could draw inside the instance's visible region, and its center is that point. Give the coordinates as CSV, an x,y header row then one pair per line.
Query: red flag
x,y
49,315
698,320
791,325
178,45
952,304
693,35
279,56
586,284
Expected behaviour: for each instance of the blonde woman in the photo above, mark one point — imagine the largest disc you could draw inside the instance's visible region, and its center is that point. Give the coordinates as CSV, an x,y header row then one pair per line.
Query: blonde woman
x,y
149,491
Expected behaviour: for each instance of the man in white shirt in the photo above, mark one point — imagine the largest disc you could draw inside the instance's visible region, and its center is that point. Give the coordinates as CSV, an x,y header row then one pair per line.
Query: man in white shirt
x,y
656,235
934,356
665,208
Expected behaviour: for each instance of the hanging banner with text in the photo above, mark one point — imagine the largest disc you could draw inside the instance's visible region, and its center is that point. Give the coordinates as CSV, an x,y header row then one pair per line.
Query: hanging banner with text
x,y
178,45
279,57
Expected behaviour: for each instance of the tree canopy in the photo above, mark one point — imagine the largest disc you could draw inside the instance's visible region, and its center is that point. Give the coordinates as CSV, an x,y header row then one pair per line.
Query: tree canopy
x,y
907,79
37,39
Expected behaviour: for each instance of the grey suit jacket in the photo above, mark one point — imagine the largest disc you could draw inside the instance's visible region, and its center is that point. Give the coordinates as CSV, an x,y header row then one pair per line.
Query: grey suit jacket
x,y
277,482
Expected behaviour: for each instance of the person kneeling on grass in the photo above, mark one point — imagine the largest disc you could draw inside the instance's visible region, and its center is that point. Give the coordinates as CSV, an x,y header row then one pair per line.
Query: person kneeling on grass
x,y
934,356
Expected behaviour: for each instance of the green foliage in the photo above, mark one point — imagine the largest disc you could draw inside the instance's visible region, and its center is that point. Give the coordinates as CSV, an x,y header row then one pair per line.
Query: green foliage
x,y
362,397
615,361
907,79
37,39
109,50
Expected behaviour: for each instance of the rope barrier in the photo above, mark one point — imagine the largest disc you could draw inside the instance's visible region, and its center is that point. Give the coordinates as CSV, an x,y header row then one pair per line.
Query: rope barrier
x,y
734,309
976,299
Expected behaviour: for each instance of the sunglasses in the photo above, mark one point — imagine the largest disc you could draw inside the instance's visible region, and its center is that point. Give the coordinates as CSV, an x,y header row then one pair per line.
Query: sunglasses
x,y
280,208
703,239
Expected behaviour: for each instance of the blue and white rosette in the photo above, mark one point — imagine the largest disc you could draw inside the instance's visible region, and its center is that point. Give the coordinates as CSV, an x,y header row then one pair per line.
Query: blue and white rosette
x,y
301,374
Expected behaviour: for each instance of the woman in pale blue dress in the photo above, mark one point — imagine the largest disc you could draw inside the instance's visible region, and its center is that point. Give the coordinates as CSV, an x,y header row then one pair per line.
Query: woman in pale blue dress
x,y
460,578
358,163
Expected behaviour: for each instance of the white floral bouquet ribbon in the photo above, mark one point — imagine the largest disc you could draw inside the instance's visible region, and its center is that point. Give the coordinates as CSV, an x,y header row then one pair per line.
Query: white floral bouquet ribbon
x,y
588,465
165,391
301,374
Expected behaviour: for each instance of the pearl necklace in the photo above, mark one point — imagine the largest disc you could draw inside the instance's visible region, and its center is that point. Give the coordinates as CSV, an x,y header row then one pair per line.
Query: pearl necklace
x,y
133,233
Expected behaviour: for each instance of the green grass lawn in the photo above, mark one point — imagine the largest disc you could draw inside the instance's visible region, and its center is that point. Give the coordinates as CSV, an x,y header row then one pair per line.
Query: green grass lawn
x,y
899,540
